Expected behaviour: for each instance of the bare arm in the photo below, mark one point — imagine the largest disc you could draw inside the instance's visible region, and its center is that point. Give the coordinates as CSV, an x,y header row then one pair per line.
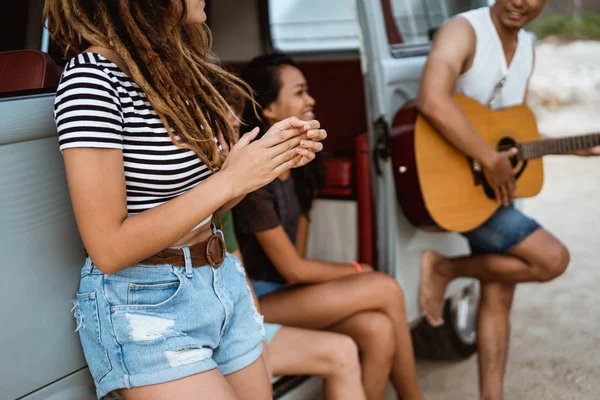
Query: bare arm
x,y
451,55
291,265
232,203
115,241
453,47
302,235
225,148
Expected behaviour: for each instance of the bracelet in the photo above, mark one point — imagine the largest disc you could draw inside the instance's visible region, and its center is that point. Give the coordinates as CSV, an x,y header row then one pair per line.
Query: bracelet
x,y
356,266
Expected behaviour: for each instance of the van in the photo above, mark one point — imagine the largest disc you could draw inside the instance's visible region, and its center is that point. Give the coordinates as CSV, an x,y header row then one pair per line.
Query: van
x,y
363,62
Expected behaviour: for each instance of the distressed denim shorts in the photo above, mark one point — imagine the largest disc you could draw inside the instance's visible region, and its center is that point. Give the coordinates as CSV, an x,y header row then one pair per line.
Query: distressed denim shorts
x,y
149,324
262,288
506,228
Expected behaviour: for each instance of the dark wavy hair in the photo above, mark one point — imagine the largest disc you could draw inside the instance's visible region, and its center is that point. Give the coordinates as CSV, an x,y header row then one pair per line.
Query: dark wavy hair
x,y
262,74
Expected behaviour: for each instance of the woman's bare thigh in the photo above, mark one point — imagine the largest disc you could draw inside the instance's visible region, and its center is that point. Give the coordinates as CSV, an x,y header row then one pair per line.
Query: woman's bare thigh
x,y
252,382
298,351
209,385
320,305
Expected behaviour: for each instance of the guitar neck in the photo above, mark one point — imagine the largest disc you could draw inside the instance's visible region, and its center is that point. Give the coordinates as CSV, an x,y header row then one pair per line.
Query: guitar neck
x,y
540,148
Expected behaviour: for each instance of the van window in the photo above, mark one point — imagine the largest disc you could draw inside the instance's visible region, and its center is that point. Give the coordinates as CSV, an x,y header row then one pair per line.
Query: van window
x,y
417,20
313,25
298,26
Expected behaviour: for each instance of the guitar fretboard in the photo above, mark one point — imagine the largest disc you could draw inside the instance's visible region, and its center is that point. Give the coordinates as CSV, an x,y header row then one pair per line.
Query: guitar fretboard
x,y
539,148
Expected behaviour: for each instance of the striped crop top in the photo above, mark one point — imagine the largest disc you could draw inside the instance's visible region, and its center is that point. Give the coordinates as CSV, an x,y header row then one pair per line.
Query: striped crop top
x,y
98,105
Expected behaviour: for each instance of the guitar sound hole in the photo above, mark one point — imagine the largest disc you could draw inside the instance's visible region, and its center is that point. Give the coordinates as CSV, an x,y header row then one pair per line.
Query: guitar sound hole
x,y
518,165
506,144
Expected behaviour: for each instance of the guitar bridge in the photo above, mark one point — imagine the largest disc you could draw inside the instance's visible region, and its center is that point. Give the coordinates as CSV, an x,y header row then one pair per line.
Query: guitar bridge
x,y
476,170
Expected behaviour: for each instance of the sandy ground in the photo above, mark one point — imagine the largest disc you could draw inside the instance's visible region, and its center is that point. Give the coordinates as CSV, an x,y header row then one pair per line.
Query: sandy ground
x,y
555,349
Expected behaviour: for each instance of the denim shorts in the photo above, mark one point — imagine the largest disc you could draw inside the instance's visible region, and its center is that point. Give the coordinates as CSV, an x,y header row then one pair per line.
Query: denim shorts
x,y
506,228
262,288
149,324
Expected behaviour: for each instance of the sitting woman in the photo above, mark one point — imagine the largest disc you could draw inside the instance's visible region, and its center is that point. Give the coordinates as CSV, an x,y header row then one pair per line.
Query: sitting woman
x,y
272,226
296,351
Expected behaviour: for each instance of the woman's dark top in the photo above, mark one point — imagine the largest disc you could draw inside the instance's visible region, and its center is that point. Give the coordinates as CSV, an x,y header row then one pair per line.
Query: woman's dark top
x,y
273,205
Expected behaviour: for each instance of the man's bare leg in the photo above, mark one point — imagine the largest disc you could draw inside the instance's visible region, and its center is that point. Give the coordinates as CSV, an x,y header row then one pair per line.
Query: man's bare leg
x,y
538,258
493,337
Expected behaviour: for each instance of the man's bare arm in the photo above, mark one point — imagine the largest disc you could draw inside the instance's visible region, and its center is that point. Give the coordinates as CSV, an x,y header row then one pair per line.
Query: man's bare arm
x,y
452,49
451,55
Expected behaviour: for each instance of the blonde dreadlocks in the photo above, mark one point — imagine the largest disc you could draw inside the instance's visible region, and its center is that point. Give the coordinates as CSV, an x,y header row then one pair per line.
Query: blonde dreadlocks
x,y
171,62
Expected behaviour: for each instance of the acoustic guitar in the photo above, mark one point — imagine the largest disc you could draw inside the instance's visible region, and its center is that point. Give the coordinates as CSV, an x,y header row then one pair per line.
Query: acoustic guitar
x,y
439,188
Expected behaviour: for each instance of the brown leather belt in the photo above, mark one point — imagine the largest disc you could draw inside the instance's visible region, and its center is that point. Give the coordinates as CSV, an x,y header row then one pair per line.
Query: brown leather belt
x,y
209,252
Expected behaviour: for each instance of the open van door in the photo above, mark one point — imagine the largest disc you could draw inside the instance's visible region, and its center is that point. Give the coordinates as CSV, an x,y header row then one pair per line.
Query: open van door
x,y
394,43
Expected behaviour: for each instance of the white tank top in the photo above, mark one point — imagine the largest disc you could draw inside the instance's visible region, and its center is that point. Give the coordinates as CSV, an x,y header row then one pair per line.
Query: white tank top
x,y
489,64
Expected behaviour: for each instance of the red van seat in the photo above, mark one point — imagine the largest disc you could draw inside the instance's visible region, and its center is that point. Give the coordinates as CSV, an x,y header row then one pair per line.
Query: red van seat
x,y
338,179
27,69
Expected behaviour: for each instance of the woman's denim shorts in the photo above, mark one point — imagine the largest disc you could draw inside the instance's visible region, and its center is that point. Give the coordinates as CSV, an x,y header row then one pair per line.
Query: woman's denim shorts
x,y
149,324
262,288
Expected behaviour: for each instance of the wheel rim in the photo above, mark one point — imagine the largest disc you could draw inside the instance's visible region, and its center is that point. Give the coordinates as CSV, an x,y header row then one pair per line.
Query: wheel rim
x,y
464,308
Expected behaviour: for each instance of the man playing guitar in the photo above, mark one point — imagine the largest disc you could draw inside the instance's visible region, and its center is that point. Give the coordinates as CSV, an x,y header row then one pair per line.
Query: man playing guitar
x,y
486,55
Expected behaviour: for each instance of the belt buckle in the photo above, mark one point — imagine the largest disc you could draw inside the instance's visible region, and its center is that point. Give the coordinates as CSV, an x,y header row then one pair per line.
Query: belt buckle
x,y
215,260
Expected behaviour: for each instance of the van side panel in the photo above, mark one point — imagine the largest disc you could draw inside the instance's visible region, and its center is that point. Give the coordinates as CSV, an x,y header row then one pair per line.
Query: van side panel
x,y
40,251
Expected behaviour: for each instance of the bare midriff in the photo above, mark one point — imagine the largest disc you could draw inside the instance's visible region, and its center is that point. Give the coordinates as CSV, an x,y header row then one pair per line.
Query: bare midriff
x,y
196,236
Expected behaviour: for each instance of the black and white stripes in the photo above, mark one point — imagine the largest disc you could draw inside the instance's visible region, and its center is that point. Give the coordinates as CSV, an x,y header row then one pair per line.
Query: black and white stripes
x,y
97,105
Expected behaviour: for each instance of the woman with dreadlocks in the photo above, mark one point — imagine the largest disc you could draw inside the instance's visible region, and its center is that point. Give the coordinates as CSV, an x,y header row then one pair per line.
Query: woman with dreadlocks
x,y
162,310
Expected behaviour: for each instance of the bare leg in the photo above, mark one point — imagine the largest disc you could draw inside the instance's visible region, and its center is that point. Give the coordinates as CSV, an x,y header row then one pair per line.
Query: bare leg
x,y
209,385
252,382
322,305
374,333
493,337
332,356
538,258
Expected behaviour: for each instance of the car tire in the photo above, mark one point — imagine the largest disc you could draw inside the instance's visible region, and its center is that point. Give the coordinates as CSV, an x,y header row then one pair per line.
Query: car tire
x,y
449,342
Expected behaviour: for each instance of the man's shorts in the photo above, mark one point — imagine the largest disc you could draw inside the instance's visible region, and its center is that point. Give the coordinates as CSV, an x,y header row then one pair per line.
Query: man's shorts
x,y
506,228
